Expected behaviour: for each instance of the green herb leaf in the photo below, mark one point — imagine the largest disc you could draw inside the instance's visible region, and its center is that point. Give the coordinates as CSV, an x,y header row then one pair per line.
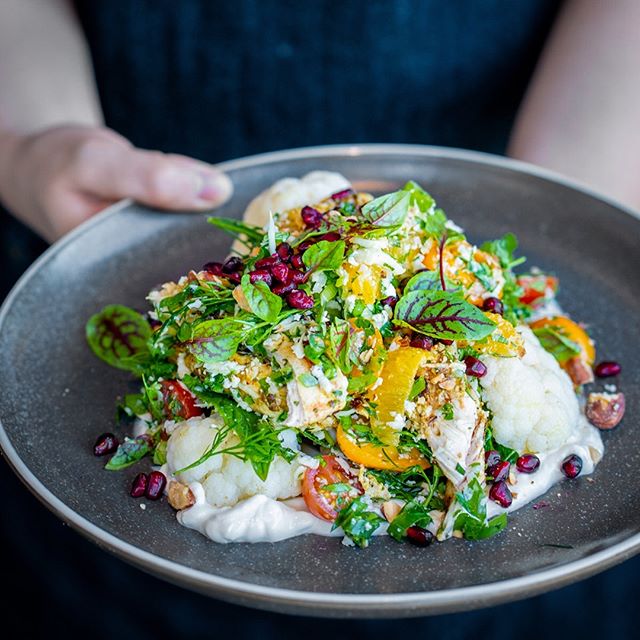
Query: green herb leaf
x,y
357,522
262,302
506,453
447,411
160,453
419,197
413,514
248,234
119,336
389,210
324,256
217,340
417,388
504,249
557,344
472,518
442,314
129,452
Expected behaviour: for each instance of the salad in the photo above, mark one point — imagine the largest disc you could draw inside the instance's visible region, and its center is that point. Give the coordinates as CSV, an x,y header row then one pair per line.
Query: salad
x,y
356,367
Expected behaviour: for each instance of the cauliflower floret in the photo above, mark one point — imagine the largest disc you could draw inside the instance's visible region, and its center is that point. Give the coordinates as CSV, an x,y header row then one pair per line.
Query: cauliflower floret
x,y
532,399
226,479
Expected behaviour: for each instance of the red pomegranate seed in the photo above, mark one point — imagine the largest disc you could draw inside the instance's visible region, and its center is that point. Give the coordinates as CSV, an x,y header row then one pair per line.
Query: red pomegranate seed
x,y
232,265
572,466
492,457
445,341
105,444
296,262
305,244
311,217
419,536
421,342
475,368
282,273
155,485
342,195
528,463
297,277
501,494
493,305
234,277
266,263
332,236
607,369
214,268
299,299
260,274
500,471
389,301
139,486
281,289
284,250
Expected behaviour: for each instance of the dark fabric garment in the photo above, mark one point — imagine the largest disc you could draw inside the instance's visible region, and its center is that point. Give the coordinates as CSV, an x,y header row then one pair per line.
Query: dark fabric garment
x,y
225,79
218,80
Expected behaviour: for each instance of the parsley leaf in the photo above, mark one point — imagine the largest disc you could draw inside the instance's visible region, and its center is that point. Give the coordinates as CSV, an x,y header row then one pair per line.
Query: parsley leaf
x,y
357,522
472,518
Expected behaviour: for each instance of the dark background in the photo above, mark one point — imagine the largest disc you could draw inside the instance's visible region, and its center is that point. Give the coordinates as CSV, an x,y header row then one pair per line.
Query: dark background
x,y
217,80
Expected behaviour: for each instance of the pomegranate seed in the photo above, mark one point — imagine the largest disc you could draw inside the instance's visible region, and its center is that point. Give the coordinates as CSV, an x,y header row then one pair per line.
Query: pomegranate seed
x,y
475,368
390,301
281,272
299,300
572,466
105,444
607,369
332,236
139,486
284,250
305,244
266,263
311,217
260,274
493,305
234,277
421,342
501,494
214,268
527,463
155,485
445,341
500,471
281,289
298,277
153,323
342,195
296,262
232,265
419,536
492,458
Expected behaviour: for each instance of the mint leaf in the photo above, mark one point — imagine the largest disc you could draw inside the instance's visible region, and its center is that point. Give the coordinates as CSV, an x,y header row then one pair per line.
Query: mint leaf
x,y
262,302
324,256
442,314
389,210
120,337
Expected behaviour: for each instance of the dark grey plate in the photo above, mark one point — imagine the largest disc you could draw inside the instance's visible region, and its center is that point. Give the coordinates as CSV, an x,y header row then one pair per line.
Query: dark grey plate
x,y
56,396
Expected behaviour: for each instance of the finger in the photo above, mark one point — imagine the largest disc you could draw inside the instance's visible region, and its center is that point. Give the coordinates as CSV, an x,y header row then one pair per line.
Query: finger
x,y
111,172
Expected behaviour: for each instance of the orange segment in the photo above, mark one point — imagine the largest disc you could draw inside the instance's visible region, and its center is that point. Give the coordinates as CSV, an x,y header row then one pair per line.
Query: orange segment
x,y
571,330
373,457
398,374
363,282
504,342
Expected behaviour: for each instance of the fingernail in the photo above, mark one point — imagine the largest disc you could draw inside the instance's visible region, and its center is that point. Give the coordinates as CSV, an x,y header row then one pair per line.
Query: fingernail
x,y
216,188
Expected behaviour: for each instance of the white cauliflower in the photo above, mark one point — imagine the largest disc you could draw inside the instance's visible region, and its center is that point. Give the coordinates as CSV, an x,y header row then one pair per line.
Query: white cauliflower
x,y
532,399
226,479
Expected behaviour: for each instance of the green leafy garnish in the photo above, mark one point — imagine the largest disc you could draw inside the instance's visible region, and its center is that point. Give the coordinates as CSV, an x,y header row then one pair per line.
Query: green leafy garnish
x,y
415,513
557,344
120,336
358,522
442,314
262,302
419,197
324,256
217,340
389,210
472,518
248,234
447,411
129,452
417,388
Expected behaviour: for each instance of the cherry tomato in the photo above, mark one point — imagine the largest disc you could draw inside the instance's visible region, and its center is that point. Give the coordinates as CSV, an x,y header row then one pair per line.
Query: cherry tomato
x,y
535,287
322,492
178,400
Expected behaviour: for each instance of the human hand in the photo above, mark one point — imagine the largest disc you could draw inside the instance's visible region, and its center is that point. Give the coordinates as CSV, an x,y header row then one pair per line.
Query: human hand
x,y
56,179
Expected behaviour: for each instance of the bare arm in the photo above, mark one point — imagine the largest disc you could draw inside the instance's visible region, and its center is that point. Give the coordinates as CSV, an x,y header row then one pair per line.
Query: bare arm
x,y
58,165
581,114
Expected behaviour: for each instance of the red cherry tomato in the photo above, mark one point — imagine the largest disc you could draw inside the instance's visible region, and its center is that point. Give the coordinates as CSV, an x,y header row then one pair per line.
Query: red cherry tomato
x,y
178,400
329,488
536,286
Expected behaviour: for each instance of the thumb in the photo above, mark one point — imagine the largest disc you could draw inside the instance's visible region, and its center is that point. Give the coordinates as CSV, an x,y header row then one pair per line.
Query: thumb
x,y
112,171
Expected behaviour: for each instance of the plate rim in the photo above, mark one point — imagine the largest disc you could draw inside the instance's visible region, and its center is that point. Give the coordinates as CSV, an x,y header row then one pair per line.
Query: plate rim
x,y
375,604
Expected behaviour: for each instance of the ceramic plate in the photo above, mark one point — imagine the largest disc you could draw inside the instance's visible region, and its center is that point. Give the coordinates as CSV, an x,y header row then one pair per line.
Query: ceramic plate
x,y
56,396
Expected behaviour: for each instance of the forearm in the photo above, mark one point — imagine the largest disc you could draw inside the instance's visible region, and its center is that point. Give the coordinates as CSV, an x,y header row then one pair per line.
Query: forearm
x,y
46,77
581,114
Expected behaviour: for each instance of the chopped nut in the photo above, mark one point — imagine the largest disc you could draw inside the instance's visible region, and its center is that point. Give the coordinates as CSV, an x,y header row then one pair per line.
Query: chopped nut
x,y
180,496
390,510
579,371
605,410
